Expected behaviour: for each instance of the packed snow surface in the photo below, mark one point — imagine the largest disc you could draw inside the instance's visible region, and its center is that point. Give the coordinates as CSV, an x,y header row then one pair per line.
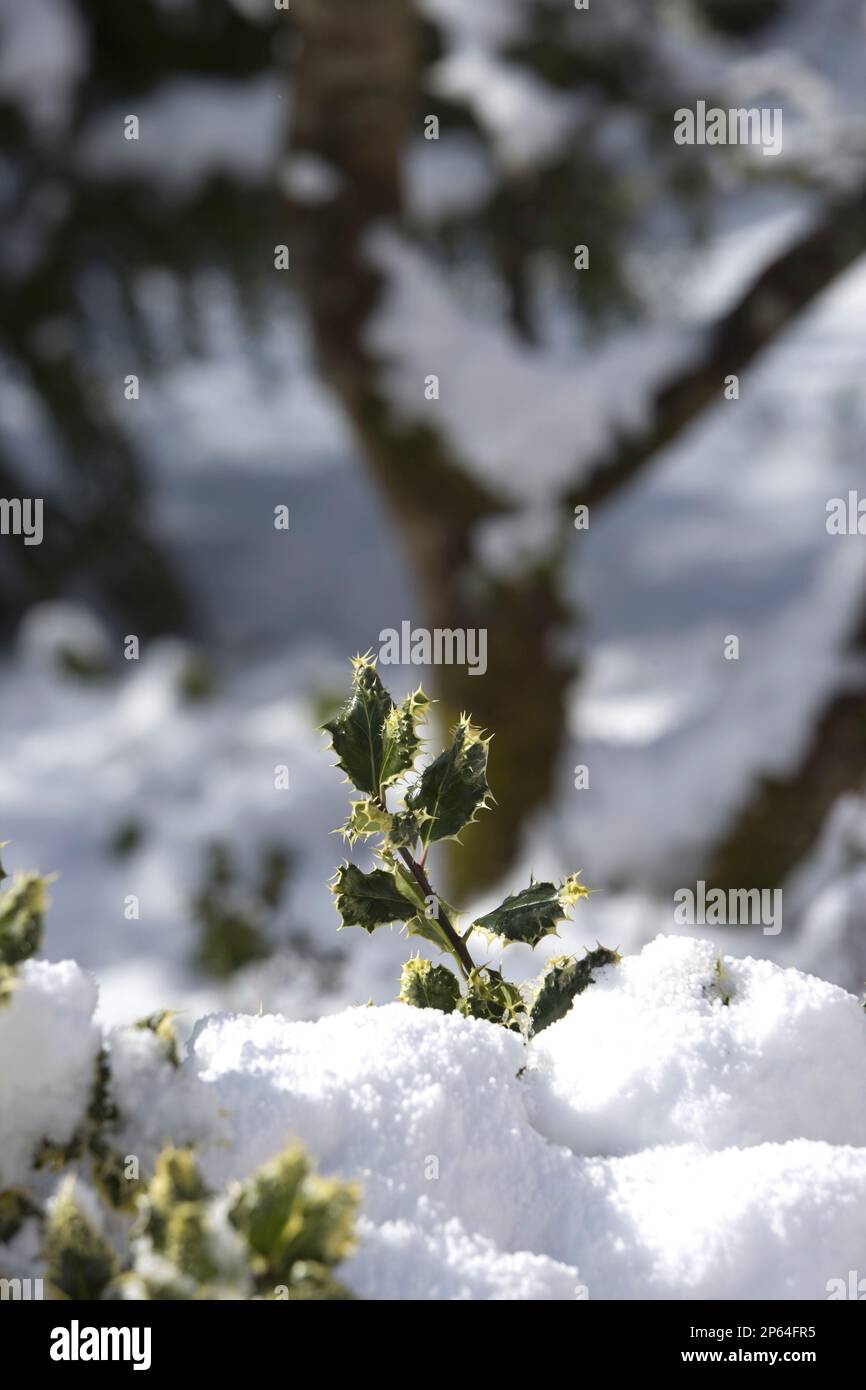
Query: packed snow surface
x,y
694,1127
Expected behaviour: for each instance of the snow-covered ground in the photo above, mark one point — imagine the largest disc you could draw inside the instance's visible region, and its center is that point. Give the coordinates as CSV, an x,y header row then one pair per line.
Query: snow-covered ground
x,y
684,1131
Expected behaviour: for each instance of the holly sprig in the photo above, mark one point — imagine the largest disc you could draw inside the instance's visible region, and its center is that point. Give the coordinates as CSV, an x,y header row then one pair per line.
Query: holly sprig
x,y
405,810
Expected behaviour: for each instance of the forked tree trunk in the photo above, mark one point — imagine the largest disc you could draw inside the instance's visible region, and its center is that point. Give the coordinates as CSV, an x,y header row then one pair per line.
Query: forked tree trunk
x,y
357,105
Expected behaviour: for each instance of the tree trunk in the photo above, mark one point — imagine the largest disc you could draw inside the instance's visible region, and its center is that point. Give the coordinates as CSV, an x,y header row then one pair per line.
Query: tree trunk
x,y
357,93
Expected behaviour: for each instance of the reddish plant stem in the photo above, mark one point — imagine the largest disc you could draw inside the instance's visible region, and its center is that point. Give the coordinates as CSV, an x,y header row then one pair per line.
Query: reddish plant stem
x,y
457,945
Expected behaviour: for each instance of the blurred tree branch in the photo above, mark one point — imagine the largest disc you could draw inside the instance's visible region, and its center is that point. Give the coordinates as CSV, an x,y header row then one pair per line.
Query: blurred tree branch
x,y
782,818
784,289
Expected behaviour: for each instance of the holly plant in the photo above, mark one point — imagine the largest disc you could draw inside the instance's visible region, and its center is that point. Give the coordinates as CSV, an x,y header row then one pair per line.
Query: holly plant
x,y
404,812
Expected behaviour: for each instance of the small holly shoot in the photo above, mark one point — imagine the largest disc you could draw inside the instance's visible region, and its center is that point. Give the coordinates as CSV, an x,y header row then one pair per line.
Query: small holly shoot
x,y
404,812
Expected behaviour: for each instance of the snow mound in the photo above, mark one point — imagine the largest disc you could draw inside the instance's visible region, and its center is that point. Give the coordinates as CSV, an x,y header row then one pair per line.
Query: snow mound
x,y
49,1043
654,1055
657,1142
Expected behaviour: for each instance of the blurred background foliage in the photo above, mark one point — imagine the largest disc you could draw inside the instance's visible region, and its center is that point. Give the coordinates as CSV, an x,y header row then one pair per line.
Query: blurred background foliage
x,y
77,242
94,225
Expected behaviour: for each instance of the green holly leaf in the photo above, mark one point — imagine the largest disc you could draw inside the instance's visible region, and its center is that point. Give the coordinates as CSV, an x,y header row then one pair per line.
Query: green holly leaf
x,y
370,900
533,913
16,1205
491,997
564,978
8,983
400,742
401,829
297,1224
404,830
375,740
365,819
323,1232
267,1200
175,1179
428,986
356,732
161,1023
406,881
79,1262
453,787
429,930
187,1243
22,908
